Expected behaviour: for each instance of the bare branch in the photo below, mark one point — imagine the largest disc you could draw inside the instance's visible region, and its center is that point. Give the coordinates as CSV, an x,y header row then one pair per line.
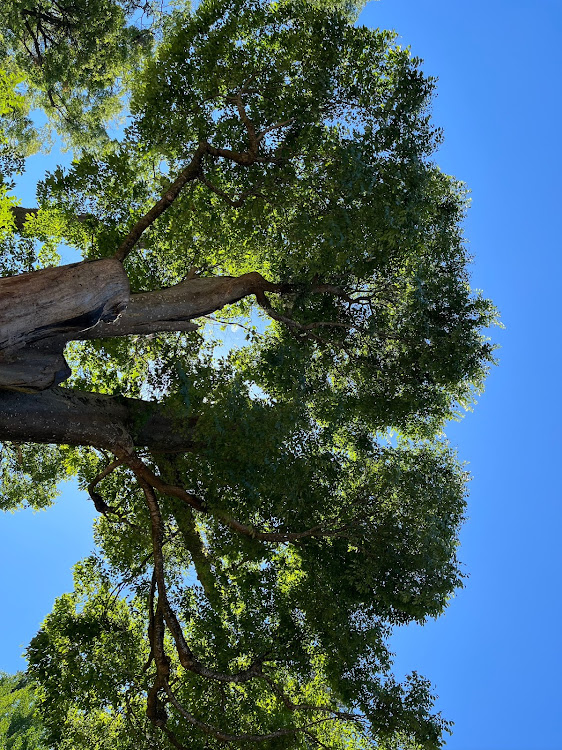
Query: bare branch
x,y
106,472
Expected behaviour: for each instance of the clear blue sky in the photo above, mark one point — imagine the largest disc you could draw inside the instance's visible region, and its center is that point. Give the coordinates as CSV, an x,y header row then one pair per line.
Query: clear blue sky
x,y
496,656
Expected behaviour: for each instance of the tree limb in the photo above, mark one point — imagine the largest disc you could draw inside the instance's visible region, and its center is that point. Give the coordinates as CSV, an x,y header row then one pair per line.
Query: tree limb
x,y
68,417
187,658
193,501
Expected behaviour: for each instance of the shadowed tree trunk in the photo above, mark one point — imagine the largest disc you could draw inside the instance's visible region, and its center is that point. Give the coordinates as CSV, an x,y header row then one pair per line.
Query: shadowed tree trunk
x,y
69,417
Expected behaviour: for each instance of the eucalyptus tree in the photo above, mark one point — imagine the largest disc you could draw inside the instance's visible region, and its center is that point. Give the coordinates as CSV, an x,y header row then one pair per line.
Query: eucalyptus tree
x,y
268,510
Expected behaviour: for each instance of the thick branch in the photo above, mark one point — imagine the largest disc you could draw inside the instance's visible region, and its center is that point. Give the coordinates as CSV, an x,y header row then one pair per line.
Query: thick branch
x,y
41,311
172,309
67,417
60,301
188,174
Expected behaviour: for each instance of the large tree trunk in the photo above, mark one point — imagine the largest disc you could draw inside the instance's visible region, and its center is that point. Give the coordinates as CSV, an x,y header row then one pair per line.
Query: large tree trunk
x,y
41,312
68,417
60,301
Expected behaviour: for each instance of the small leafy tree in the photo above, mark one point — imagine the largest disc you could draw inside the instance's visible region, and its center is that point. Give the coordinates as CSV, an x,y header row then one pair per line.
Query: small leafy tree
x,y
268,512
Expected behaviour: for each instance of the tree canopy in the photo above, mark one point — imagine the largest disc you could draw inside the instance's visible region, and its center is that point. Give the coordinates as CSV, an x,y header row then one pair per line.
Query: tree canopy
x,y
20,724
269,509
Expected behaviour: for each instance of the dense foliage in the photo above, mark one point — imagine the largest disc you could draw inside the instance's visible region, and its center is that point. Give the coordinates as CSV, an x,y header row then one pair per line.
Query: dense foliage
x,y
243,589
20,724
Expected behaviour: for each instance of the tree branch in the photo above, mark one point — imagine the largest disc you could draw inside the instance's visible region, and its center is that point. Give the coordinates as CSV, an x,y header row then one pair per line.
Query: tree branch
x,y
188,174
193,501
173,308
68,417
186,656
194,545
192,172
218,734
235,203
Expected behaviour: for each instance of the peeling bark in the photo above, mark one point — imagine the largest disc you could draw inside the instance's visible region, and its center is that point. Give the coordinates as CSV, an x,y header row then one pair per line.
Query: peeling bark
x,y
41,312
60,301
34,368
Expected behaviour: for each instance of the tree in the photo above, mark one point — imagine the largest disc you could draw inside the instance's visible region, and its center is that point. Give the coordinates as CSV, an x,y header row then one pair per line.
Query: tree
x,y
76,57
267,512
20,726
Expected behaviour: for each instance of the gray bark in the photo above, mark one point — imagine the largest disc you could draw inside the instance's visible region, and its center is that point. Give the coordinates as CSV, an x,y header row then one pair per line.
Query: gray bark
x,y
60,301
173,308
41,312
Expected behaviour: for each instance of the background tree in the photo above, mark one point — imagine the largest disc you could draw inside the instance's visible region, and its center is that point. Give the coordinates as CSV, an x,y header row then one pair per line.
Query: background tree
x,y
266,514
76,57
20,724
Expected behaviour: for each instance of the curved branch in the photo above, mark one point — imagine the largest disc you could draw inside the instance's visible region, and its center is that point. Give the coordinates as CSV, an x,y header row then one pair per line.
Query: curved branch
x,y
193,501
186,656
218,734
173,308
187,175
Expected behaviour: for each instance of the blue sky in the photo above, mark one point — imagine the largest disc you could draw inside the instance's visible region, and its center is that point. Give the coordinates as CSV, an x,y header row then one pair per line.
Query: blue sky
x,y
495,657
